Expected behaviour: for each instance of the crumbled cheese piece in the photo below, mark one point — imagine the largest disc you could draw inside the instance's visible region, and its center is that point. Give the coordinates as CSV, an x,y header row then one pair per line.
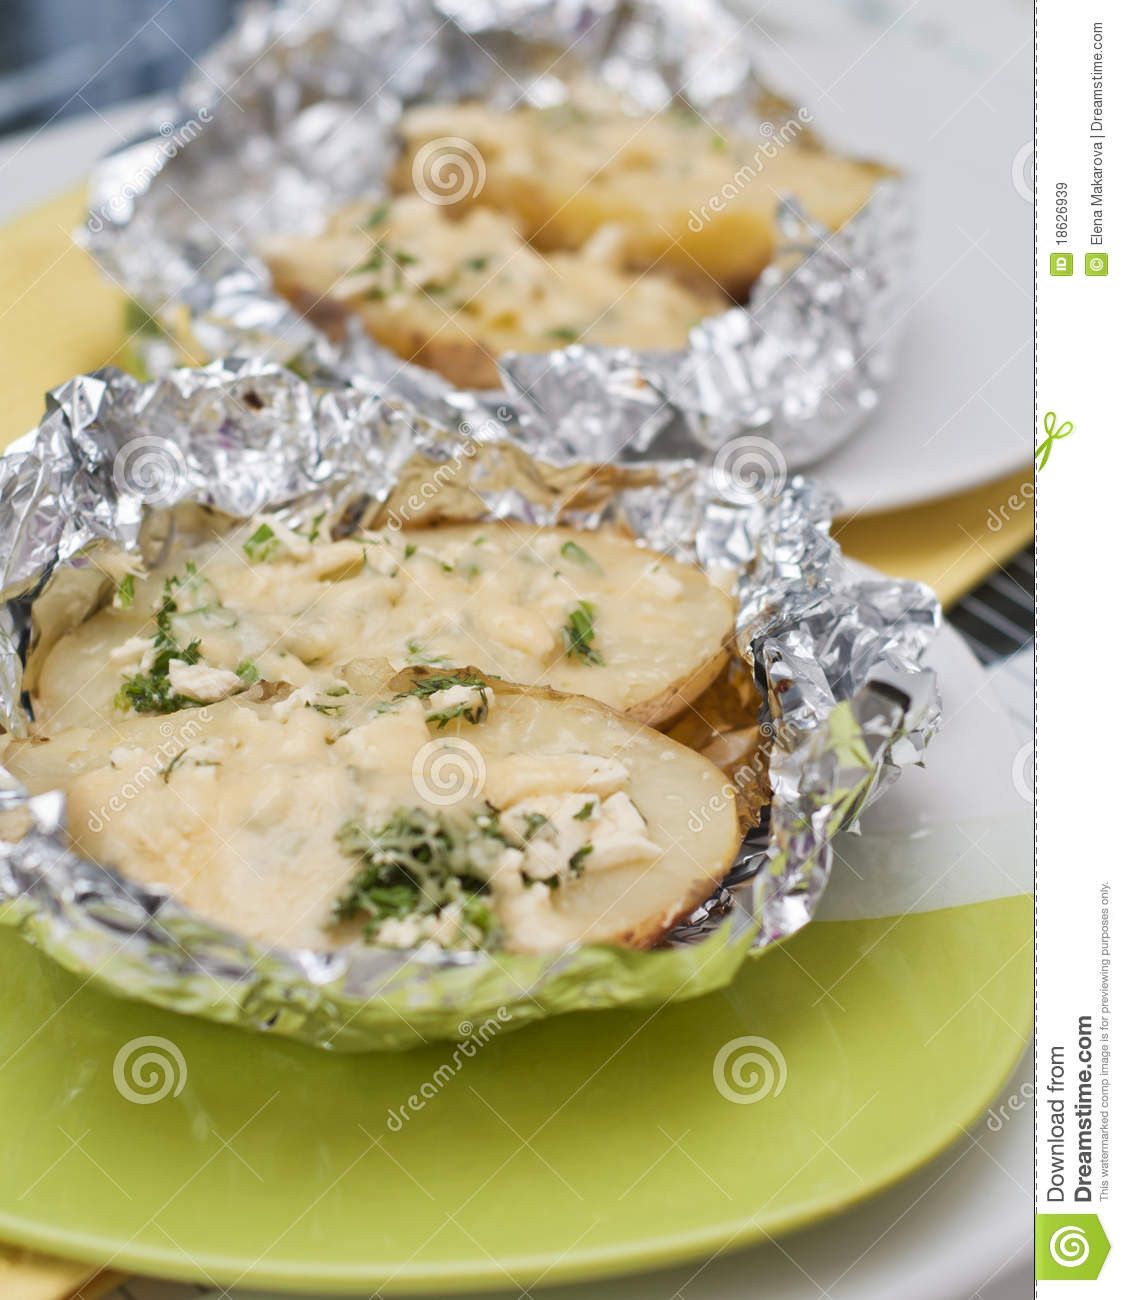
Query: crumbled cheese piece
x,y
399,932
453,696
520,629
658,582
529,918
136,650
620,835
336,559
201,682
295,700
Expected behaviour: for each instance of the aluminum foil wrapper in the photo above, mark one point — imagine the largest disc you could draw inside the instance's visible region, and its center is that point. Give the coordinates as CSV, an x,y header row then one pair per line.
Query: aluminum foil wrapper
x,y
295,115
836,656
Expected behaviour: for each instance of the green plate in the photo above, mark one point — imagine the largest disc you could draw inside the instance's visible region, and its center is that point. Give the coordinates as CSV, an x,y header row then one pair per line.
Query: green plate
x,y
591,1144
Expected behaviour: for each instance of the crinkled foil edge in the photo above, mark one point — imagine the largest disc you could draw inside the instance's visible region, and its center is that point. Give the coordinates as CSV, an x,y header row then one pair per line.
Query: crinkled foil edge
x,y
307,124
837,657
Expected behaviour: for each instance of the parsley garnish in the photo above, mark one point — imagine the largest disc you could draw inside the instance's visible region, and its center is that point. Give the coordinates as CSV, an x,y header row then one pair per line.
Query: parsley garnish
x,y
151,691
416,651
578,634
378,215
477,263
248,671
420,863
585,812
261,544
564,334
572,551
123,597
471,712
577,860
314,531
167,770
532,824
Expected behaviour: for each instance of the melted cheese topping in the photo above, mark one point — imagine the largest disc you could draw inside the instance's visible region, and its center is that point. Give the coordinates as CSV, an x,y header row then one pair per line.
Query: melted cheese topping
x,y
455,294
232,733
583,612
242,810
672,191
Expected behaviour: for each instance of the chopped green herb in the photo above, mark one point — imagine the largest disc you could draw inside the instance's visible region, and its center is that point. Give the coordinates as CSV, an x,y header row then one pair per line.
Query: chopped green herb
x,y
577,860
168,768
532,824
572,551
248,671
564,334
314,531
418,656
378,215
337,690
411,550
477,263
444,681
123,598
471,711
578,634
261,544
585,812
421,863
151,691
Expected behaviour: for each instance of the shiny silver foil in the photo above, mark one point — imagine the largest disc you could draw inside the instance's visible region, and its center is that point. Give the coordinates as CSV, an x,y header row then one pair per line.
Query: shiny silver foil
x,y
836,656
295,114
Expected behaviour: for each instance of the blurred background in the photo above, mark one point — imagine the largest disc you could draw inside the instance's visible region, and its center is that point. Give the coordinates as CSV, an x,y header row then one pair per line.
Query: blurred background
x,y
64,57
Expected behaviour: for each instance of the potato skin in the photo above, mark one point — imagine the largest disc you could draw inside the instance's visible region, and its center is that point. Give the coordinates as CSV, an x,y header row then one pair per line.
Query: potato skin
x,y
670,703
647,931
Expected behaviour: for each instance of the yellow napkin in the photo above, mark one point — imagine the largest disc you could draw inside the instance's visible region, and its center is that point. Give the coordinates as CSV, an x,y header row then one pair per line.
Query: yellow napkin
x,y
952,543
61,318
27,1276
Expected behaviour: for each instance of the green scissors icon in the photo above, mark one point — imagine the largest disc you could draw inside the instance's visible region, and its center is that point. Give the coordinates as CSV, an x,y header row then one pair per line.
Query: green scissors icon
x,y
1054,432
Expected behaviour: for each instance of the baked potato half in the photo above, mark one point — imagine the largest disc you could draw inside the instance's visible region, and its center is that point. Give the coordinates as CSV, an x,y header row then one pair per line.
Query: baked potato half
x,y
454,295
588,613
674,193
455,811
